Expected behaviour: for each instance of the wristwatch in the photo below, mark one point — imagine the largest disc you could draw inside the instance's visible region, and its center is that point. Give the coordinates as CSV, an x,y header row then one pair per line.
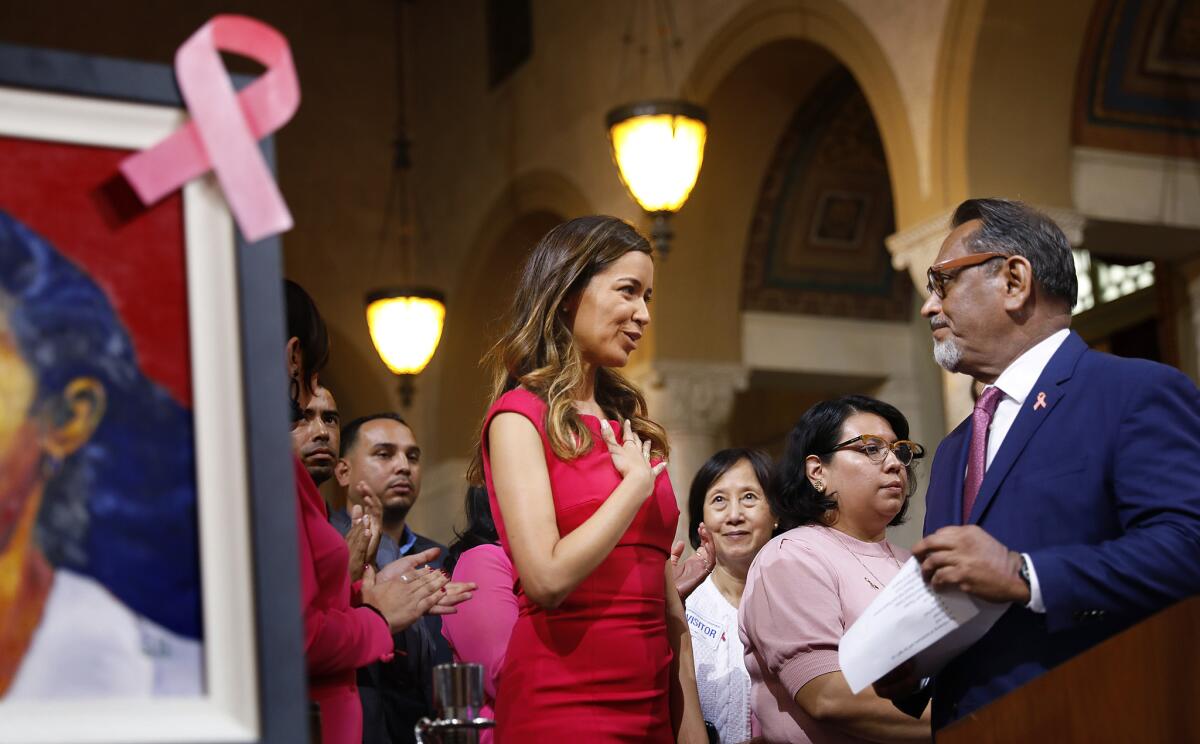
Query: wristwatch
x,y
1023,572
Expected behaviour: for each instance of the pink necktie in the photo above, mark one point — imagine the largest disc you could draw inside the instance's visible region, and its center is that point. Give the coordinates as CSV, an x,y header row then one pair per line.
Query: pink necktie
x,y
981,419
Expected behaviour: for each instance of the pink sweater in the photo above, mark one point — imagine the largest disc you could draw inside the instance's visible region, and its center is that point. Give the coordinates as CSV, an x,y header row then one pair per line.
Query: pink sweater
x,y
339,636
805,588
478,632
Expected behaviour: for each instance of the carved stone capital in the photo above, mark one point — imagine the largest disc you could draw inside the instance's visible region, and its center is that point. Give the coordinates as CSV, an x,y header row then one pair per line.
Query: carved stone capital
x,y
694,398
1069,221
914,248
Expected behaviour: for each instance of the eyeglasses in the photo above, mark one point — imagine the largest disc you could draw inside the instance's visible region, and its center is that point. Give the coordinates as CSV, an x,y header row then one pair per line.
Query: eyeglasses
x,y
940,274
877,448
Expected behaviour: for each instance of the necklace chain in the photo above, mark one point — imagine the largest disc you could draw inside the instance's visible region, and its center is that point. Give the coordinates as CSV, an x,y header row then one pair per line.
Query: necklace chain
x,y
854,555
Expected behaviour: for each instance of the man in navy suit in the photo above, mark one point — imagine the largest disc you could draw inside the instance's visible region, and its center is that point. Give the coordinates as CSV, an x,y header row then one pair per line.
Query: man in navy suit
x,y
1073,490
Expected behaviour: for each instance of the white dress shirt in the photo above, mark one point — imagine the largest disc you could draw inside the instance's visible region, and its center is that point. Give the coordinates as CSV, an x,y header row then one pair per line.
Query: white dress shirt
x,y
90,645
1016,382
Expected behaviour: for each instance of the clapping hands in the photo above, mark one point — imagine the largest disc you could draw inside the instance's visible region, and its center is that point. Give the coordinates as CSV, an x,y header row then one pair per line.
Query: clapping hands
x,y
411,568
365,531
408,588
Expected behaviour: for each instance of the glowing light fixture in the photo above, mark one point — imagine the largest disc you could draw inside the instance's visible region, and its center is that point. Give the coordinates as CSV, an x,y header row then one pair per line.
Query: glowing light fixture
x,y
405,322
406,326
657,143
658,147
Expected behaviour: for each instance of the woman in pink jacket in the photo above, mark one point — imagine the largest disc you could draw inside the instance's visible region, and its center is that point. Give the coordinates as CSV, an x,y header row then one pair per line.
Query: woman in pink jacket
x,y
345,626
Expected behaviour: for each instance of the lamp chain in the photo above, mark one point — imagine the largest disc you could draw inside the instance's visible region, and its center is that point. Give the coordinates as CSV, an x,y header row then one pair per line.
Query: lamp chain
x,y
399,191
660,14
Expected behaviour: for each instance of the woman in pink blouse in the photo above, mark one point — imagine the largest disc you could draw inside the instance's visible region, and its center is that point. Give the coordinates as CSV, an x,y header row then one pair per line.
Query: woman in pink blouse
x,y
480,631
846,475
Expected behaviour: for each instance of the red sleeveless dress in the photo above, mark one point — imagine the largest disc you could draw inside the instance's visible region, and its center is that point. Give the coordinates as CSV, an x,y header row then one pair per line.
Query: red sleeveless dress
x,y
596,668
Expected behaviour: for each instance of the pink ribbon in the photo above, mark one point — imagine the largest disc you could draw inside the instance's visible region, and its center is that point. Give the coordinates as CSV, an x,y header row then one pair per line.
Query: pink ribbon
x,y
226,125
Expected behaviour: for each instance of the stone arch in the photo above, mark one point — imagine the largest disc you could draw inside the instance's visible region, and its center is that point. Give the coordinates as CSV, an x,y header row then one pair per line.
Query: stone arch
x,y
1003,100
950,102
789,45
1022,58
753,74
1006,118
833,26
1001,125
520,214
455,384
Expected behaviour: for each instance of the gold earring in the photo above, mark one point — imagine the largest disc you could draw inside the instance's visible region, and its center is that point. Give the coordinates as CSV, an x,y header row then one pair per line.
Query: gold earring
x,y
818,486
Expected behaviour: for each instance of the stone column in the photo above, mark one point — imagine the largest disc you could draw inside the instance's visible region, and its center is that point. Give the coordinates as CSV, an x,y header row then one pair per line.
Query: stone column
x,y
693,402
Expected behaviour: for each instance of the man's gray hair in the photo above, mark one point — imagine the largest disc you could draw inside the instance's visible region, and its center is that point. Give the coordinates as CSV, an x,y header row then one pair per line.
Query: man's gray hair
x,y
1016,229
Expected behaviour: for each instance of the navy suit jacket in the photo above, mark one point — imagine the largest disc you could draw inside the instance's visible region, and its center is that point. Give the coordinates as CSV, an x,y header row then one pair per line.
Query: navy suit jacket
x,y
1101,487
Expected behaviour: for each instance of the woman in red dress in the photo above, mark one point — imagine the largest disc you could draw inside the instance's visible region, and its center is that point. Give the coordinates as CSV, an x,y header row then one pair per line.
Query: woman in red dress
x,y
600,651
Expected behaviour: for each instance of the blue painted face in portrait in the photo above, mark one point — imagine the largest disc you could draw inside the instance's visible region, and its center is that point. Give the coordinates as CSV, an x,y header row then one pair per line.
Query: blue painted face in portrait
x,y
113,474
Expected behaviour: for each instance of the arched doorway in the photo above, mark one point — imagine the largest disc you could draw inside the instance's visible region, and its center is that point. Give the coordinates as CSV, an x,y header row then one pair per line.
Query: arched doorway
x,y
780,291
457,386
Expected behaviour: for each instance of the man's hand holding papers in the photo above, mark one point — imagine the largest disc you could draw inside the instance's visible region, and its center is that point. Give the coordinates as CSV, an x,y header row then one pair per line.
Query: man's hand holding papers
x,y
911,620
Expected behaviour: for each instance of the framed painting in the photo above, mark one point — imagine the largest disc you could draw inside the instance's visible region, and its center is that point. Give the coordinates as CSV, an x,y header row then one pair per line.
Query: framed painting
x,y
148,585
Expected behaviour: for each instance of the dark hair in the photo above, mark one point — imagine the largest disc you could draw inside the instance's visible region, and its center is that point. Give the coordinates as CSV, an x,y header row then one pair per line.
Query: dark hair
x,y
350,430
304,322
708,474
122,507
1016,229
480,529
819,430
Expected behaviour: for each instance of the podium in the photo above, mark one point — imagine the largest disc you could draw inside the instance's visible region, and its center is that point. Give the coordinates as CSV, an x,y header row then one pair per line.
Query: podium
x,y
1140,685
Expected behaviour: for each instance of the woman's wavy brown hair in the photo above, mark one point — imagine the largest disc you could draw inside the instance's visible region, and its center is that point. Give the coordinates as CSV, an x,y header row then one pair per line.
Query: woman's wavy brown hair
x,y
538,352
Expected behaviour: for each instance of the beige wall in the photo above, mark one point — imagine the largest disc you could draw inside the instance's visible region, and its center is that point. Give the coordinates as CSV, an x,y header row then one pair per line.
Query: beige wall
x,y
491,165
1021,98
699,293
334,156
971,97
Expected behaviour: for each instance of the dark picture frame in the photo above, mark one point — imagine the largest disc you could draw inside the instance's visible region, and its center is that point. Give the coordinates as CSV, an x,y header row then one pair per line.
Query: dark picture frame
x,y
263,581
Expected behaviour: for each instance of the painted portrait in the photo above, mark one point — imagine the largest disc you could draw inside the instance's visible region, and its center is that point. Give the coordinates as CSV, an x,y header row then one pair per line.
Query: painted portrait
x,y
99,574
148,582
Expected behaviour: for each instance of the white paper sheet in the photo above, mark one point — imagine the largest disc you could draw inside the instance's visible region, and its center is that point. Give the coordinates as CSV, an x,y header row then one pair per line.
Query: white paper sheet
x,y
909,619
